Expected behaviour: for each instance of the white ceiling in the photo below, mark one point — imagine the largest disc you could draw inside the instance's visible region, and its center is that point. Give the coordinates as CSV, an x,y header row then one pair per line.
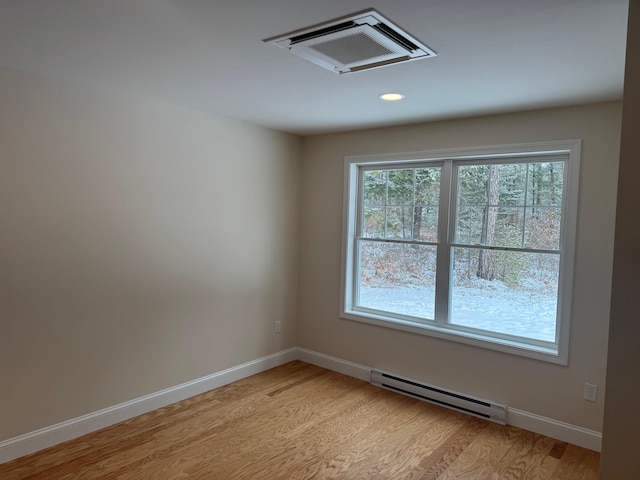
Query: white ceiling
x,y
493,56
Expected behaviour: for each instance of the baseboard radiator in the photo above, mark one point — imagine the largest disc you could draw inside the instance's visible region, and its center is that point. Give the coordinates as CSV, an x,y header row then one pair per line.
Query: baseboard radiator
x,y
454,400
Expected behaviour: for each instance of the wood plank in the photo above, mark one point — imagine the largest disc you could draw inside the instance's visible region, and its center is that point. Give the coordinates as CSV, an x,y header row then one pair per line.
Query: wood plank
x,y
439,461
579,464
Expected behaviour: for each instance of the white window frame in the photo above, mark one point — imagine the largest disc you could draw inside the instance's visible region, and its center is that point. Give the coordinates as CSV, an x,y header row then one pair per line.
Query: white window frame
x,y
555,353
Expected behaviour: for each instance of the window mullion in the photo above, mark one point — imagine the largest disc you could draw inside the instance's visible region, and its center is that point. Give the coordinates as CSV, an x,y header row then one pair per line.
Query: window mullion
x,y
444,250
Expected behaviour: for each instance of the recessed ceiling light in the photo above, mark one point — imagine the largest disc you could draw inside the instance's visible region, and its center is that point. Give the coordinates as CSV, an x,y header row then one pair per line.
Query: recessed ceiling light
x,y
391,97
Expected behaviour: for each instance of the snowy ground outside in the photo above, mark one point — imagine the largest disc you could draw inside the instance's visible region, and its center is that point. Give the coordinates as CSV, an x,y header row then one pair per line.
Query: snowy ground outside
x,y
529,313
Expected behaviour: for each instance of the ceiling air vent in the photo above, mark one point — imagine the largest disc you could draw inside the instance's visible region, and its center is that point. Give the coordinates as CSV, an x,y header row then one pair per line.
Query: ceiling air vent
x,y
359,42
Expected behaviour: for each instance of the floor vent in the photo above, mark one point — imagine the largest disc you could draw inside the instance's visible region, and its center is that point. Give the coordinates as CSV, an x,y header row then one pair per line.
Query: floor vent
x,y
456,401
359,42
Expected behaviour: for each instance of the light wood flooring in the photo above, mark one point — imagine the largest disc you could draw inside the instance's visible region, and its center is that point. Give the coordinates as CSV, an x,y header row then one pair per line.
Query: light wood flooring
x,y
299,421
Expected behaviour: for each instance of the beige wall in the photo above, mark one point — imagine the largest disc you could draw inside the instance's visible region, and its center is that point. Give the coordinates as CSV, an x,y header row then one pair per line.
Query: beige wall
x,y
545,389
141,246
621,434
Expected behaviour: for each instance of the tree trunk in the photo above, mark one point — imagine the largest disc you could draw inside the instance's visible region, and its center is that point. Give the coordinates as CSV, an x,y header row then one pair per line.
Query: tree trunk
x,y
417,222
489,219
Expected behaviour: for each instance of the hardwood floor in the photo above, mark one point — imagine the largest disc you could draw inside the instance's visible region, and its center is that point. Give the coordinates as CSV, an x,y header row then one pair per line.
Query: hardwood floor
x,y
299,421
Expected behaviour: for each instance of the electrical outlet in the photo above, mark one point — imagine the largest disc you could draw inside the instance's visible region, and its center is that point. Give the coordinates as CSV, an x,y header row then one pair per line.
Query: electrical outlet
x,y
276,328
590,392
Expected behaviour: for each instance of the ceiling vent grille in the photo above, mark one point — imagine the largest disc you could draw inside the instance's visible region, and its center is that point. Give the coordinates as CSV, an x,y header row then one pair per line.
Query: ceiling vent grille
x,y
359,42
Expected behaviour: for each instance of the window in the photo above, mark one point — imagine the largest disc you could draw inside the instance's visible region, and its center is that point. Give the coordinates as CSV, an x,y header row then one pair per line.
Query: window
x,y
474,245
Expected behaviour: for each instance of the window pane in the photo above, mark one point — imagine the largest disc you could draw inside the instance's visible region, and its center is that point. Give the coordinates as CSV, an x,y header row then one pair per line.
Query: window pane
x,y
545,183
508,227
400,187
397,278
513,293
427,186
425,223
401,204
510,205
373,222
543,228
375,188
469,225
472,189
512,184
399,223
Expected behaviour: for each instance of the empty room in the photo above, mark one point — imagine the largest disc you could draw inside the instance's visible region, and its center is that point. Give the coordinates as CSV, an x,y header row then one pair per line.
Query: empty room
x,y
284,240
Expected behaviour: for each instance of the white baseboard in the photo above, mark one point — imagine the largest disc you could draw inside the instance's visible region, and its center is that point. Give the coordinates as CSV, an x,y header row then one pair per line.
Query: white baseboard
x,y
518,418
46,437
549,427
336,364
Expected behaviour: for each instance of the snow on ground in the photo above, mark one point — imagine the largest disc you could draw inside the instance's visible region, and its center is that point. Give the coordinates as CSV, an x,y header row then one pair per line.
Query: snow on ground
x,y
525,312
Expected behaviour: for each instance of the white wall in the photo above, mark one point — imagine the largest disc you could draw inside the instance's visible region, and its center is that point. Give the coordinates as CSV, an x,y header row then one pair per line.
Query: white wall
x,y
549,390
141,246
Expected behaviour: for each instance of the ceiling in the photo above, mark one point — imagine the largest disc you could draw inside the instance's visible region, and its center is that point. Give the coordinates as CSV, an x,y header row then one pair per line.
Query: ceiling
x,y
493,56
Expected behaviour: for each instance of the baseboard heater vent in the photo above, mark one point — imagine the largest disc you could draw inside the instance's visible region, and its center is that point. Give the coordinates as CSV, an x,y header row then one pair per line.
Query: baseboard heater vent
x,y
454,400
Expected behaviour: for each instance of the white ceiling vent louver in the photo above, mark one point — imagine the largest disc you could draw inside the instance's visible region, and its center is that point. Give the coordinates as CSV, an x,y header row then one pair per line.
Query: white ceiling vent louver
x,y
359,42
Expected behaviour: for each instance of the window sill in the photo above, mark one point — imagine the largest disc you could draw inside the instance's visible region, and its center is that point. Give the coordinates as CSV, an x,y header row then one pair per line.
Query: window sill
x,y
536,352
